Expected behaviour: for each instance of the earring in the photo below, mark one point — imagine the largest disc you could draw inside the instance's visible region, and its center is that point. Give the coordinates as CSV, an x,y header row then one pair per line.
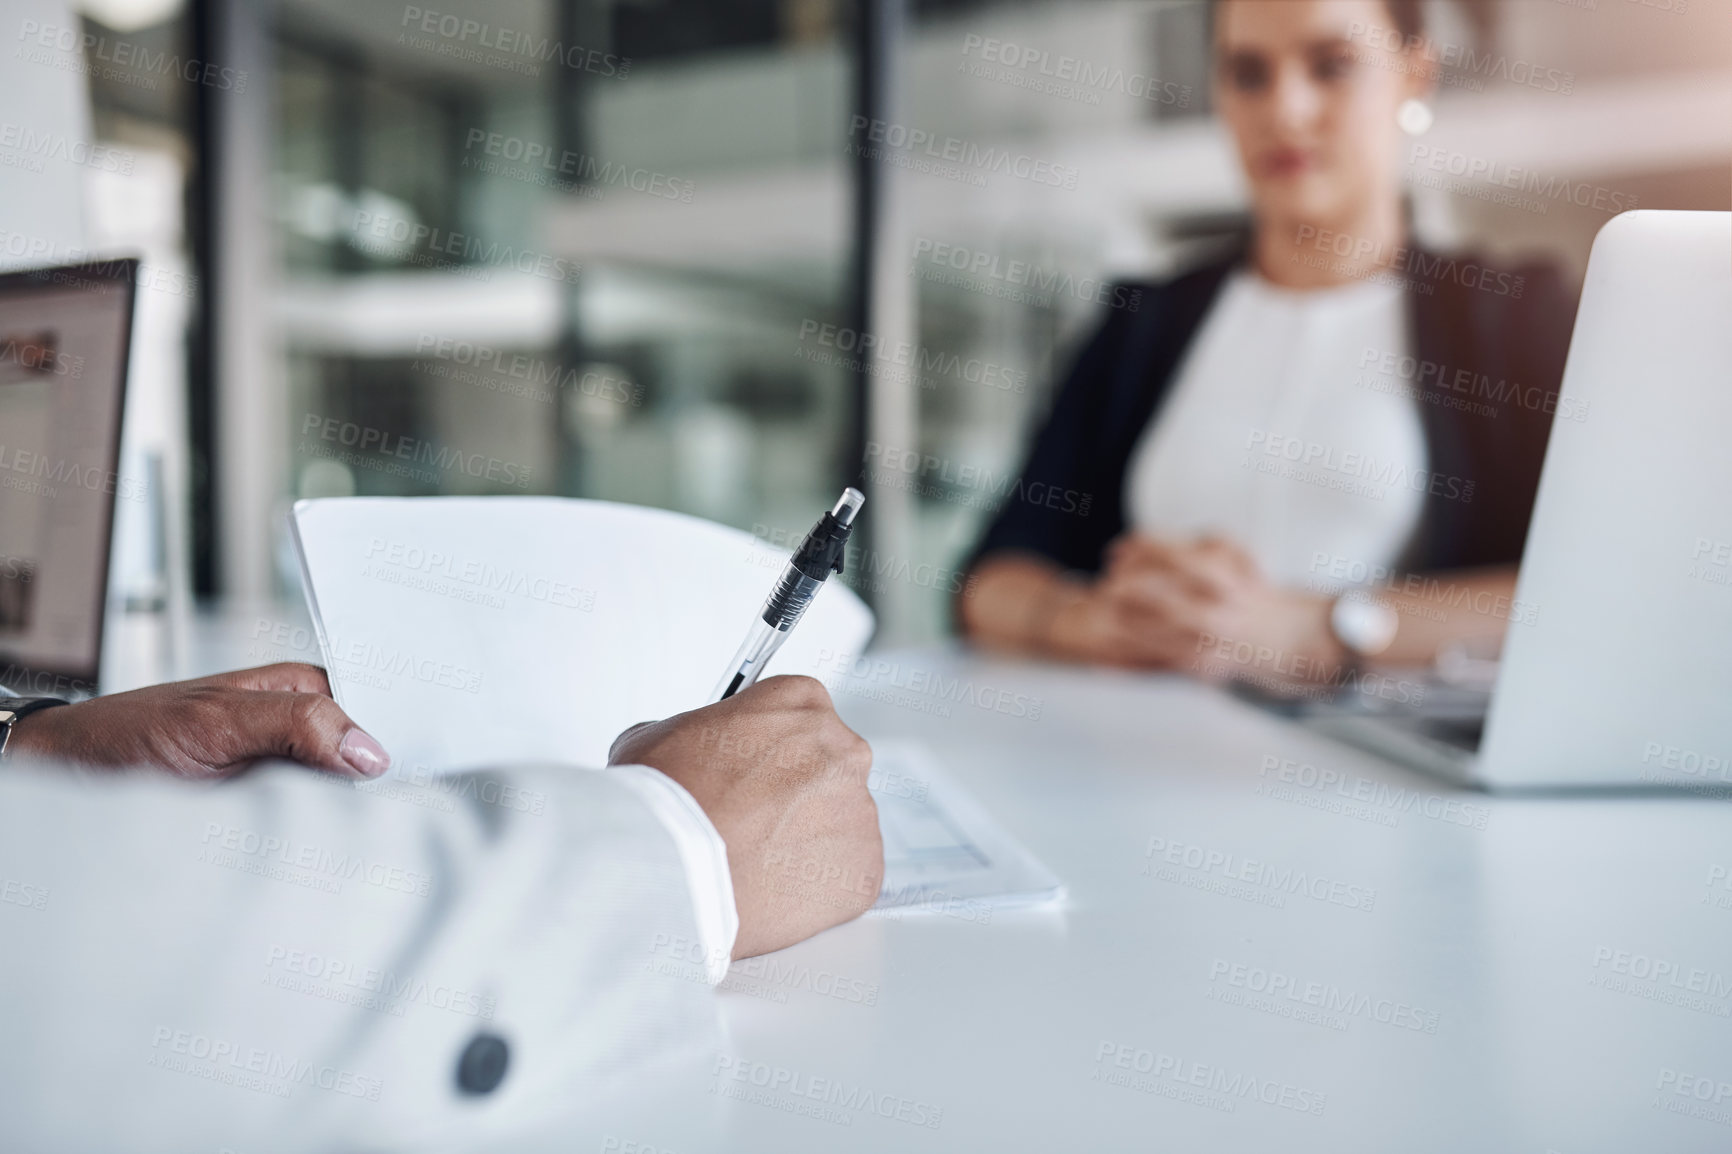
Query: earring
x,y
1414,117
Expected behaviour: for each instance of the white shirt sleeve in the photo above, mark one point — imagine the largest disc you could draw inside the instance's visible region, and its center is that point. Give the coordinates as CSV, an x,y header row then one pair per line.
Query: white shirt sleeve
x,y
704,855
288,961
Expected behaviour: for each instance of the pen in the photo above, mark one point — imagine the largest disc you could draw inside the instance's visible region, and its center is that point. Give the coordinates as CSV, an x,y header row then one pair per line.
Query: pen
x,y
818,556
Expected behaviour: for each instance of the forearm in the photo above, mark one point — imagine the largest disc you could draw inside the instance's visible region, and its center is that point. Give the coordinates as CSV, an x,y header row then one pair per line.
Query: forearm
x,y
1435,611
1015,598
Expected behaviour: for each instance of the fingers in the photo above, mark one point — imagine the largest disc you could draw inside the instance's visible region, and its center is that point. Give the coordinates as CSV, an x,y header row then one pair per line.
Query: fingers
x,y
310,729
1210,574
620,752
854,754
808,694
1211,566
1158,647
1240,559
295,717
791,691
1198,571
1157,596
1134,551
1222,562
1151,621
788,719
812,744
285,677
839,750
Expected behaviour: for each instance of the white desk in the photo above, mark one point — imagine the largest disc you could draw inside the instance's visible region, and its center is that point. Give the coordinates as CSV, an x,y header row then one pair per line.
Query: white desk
x,y
1503,944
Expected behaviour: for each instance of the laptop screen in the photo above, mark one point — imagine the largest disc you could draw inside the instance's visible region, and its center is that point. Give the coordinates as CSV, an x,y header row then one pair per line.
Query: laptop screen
x,y
64,337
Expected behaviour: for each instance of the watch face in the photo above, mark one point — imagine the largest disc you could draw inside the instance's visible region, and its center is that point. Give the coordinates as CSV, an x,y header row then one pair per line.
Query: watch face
x,y
1366,628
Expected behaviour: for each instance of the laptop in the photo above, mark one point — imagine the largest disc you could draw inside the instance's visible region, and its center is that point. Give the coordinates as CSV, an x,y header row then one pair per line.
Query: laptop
x,y
1623,676
65,336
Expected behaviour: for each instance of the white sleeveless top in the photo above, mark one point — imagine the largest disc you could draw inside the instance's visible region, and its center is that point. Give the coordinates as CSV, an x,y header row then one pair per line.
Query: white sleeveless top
x,y
1275,435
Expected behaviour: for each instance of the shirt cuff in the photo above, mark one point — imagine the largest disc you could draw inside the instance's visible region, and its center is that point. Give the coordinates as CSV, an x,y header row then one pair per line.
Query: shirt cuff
x,y
704,855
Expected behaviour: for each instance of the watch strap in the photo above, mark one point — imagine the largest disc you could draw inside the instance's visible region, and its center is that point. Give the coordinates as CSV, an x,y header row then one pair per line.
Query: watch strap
x,y
15,709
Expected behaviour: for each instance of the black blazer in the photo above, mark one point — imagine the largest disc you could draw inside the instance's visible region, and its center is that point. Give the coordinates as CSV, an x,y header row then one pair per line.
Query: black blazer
x,y
1511,326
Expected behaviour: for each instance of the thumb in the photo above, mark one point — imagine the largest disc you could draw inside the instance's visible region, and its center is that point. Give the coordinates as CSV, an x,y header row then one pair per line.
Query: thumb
x,y
313,730
619,751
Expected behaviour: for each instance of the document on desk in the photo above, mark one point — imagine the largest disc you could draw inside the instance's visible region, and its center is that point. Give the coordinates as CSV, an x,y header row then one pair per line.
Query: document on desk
x,y
464,632
943,853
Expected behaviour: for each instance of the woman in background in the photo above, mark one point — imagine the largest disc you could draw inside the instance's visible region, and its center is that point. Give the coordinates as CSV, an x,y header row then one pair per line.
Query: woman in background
x,y
1328,410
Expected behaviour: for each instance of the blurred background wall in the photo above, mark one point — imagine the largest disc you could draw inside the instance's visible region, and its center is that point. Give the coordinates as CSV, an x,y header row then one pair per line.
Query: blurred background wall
x,y
613,248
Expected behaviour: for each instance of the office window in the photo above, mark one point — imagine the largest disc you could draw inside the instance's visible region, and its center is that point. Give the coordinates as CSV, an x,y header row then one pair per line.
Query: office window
x,y
600,249
553,257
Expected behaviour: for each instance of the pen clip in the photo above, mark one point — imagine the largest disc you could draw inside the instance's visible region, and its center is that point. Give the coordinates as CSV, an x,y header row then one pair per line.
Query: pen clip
x,y
821,552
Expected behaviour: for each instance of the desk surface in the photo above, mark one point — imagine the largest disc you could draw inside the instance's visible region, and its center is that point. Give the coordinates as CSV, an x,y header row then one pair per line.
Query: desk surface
x,y
1272,942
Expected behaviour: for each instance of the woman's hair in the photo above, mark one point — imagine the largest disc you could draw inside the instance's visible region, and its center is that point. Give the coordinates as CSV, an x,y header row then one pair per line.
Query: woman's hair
x,y
1407,17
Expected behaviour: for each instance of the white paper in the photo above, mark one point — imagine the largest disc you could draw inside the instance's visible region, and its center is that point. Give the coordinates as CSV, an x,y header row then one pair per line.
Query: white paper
x,y
942,852
472,631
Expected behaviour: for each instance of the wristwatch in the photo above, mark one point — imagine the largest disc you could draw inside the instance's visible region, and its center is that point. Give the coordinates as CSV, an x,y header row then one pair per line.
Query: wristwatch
x,y
1364,627
16,709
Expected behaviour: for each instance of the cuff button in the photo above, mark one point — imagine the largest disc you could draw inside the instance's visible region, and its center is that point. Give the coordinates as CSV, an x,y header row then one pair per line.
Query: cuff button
x,y
482,1065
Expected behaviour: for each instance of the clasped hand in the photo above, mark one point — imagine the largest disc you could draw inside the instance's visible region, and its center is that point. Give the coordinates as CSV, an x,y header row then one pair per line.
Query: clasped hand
x,y
1198,606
